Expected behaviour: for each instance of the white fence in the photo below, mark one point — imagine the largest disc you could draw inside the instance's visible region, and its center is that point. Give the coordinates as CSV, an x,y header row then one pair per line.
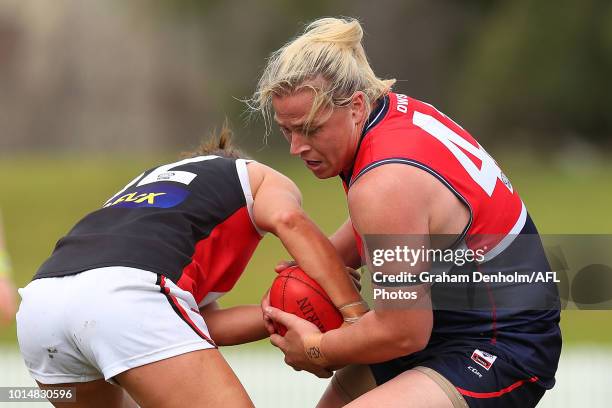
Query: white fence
x,y
584,378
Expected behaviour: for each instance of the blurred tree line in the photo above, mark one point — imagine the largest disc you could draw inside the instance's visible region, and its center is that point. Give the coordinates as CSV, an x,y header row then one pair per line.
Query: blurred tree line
x,y
534,73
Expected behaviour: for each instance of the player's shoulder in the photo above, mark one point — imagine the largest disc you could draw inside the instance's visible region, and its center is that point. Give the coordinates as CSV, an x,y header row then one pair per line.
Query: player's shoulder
x,y
385,182
258,168
258,172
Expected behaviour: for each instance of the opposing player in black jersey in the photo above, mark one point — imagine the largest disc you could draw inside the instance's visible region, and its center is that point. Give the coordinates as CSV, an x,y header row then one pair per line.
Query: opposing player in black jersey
x,y
119,300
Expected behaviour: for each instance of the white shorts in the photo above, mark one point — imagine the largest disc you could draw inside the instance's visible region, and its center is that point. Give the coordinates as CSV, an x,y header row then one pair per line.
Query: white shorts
x,y
105,321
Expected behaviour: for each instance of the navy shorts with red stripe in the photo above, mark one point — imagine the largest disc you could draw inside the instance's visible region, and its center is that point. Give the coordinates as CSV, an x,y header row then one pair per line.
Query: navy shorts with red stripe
x,y
502,385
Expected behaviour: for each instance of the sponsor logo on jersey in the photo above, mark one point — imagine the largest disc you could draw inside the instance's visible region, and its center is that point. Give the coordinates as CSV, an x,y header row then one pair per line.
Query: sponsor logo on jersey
x,y
505,180
164,196
483,359
166,176
475,371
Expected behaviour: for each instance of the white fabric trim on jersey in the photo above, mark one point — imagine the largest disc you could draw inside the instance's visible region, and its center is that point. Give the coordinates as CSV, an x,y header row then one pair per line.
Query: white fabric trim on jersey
x,y
210,297
243,175
181,177
508,239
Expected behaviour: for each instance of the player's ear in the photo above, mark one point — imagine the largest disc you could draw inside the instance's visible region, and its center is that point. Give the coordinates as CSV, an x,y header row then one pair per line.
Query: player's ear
x,y
358,106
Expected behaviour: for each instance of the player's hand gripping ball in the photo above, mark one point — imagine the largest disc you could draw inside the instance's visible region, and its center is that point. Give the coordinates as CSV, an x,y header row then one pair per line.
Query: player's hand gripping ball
x,y
295,292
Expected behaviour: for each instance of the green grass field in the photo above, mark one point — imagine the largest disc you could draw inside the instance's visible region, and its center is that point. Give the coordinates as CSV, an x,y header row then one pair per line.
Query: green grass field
x,y
41,197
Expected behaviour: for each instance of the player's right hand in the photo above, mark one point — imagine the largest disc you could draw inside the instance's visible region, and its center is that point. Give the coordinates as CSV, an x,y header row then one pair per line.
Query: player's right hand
x,y
292,344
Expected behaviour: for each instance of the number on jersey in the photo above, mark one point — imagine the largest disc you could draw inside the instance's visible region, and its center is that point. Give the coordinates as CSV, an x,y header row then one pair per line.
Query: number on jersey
x,y
165,173
489,172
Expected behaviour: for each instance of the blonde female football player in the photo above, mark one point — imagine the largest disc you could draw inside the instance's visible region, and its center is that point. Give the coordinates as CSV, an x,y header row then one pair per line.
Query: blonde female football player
x,y
409,169
117,305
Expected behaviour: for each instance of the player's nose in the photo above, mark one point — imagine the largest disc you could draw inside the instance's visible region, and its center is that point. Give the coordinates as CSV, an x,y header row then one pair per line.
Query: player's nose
x,y
299,144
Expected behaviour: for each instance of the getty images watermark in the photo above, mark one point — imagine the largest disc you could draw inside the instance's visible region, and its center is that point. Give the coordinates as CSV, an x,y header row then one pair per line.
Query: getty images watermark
x,y
491,271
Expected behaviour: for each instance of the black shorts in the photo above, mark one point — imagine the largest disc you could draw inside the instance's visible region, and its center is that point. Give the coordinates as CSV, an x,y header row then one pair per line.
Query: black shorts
x,y
484,380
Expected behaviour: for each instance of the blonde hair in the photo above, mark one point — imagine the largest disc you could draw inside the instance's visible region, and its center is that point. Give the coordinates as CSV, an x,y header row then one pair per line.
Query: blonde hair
x,y
218,144
329,49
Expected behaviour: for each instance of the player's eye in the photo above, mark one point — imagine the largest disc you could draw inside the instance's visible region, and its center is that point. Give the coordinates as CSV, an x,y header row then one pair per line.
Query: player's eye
x,y
312,131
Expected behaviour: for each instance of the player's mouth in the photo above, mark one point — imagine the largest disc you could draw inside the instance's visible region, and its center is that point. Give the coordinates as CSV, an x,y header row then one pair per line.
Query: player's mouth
x,y
313,164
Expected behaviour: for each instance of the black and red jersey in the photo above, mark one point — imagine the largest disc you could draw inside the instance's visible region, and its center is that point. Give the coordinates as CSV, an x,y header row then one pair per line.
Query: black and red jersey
x,y
407,131
190,221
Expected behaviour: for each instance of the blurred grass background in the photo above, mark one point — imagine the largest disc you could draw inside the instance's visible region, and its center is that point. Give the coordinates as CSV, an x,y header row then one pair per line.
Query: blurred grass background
x,y
42,197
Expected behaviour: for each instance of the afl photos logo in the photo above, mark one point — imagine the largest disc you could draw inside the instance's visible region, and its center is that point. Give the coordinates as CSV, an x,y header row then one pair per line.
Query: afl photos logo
x,y
483,359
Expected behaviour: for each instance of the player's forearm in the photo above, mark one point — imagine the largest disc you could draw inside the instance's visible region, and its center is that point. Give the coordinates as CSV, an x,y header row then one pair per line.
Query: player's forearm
x,y
5,265
235,325
8,304
373,339
317,257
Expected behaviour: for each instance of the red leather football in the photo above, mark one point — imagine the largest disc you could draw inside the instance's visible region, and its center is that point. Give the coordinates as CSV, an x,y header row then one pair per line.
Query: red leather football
x,y
295,292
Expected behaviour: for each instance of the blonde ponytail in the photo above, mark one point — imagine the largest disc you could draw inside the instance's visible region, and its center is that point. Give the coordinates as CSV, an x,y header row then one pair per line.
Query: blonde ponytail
x,y
329,49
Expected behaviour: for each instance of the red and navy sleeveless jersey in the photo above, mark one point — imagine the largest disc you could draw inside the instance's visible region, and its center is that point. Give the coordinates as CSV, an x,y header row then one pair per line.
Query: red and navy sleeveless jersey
x,y
190,221
407,131
415,133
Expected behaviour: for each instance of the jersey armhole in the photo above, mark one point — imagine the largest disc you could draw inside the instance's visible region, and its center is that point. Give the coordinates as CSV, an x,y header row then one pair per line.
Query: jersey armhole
x,y
243,175
429,170
510,236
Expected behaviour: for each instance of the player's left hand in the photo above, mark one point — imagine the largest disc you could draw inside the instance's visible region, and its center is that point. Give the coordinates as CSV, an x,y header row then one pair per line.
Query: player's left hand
x,y
292,344
265,303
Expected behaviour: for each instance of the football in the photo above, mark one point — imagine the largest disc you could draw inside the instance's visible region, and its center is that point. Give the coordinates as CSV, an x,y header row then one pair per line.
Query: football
x,y
293,291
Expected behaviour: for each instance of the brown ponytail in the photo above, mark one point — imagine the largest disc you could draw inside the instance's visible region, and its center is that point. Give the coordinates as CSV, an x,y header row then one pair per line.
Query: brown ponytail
x,y
218,144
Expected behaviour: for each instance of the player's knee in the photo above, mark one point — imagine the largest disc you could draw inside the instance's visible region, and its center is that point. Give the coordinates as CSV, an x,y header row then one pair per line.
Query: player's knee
x,y
353,381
